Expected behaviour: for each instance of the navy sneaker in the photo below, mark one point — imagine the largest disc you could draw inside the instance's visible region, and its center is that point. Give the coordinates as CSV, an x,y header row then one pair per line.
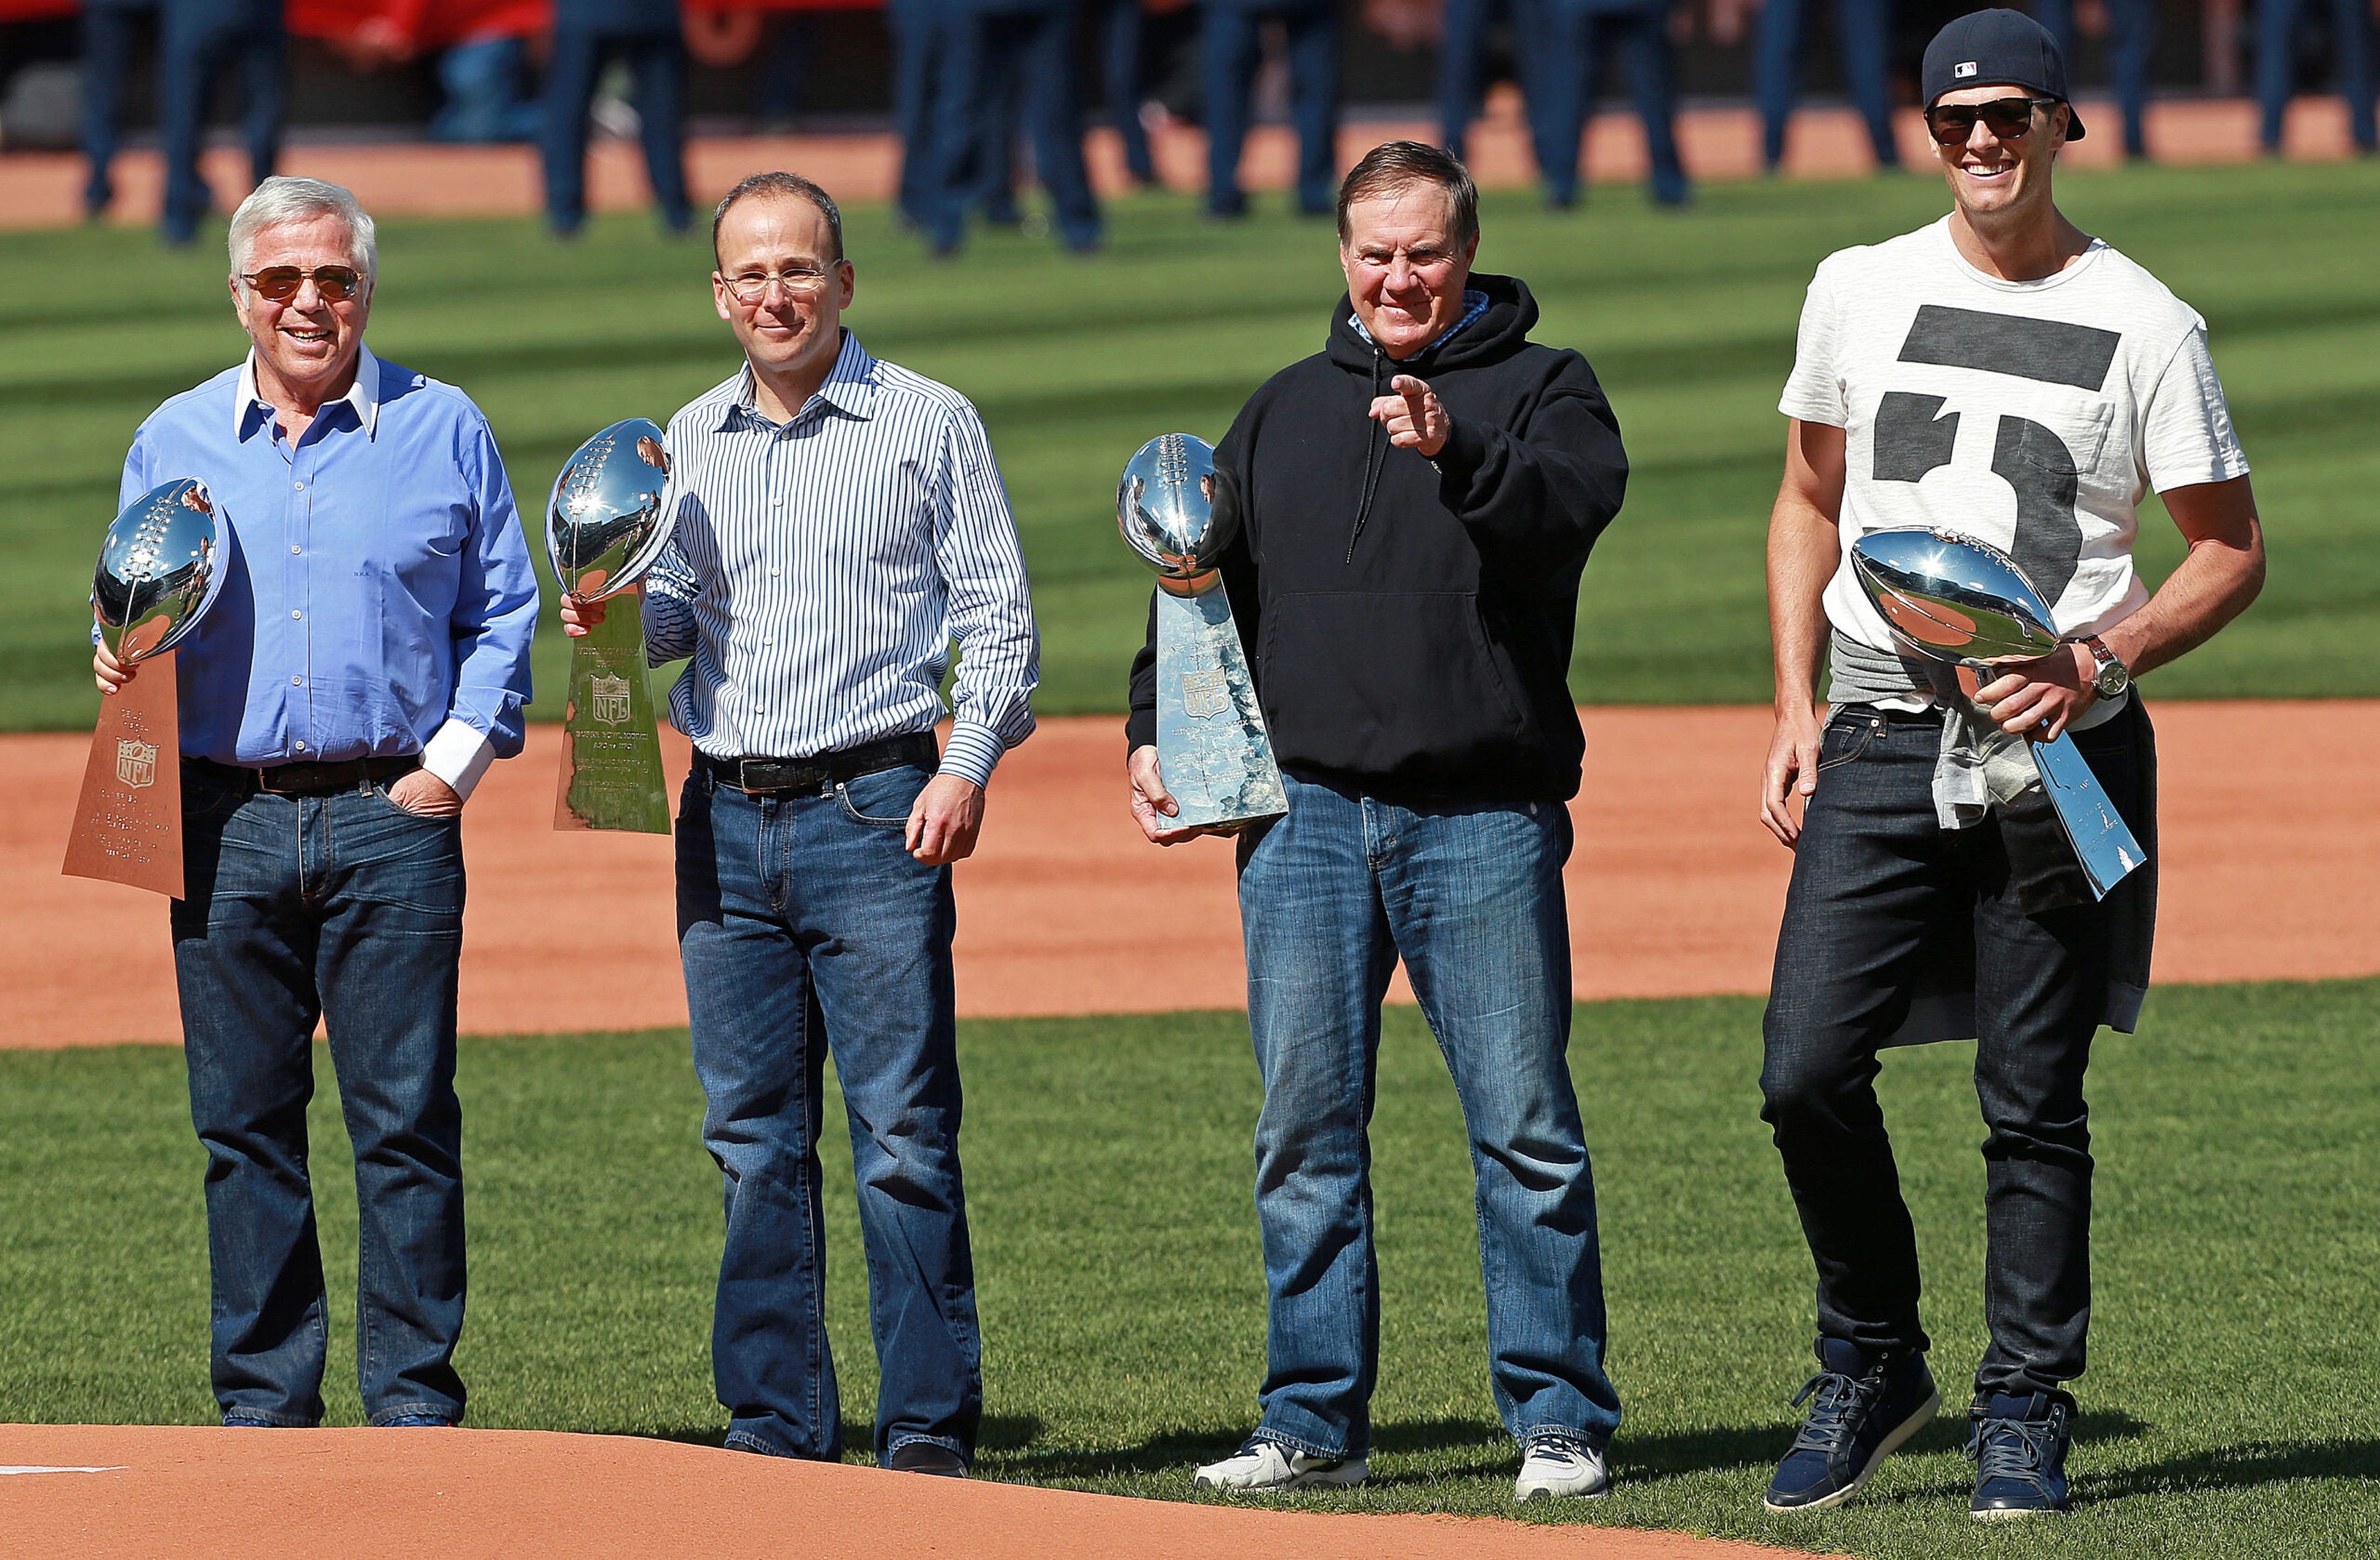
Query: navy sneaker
x,y
2018,1448
1862,1405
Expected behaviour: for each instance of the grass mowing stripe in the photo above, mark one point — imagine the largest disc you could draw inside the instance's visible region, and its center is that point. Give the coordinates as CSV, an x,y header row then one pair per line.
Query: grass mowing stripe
x,y
1688,318
2227,1412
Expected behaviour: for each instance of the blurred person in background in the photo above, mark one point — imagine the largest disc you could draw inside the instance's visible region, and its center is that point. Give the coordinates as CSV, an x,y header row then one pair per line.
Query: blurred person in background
x,y
1124,77
999,52
200,40
2132,51
1232,43
1863,30
112,31
2350,46
1571,44
919,33
587,33
1462,60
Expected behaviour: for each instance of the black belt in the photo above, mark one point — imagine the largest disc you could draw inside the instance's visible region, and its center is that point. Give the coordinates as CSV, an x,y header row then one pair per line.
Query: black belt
x,y
812,775
310,779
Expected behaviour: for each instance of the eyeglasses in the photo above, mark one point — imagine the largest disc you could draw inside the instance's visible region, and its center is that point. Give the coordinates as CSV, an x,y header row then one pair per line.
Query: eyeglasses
x,y
2010,118
280,283
751,286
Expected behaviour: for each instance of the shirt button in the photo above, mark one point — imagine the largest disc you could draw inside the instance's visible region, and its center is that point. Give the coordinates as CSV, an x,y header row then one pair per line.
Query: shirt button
x,y
772,574
296,551
776,503
300,747
296,683
301,487
294,613
766,642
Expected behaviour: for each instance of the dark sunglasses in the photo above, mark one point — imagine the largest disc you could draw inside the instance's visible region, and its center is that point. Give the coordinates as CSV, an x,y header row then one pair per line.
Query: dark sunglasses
x,y
2010,118
280,283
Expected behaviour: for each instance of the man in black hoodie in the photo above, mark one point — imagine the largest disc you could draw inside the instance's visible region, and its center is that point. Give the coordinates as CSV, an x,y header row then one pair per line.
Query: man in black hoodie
x,y
1417,501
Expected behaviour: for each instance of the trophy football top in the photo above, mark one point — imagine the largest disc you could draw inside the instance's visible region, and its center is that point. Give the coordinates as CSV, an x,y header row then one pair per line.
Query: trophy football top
x,y
1948,597
1173,507
160,568
605,524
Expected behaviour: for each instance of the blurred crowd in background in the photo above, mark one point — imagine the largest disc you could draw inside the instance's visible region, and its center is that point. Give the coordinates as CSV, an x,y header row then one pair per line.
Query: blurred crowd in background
x,y
984,93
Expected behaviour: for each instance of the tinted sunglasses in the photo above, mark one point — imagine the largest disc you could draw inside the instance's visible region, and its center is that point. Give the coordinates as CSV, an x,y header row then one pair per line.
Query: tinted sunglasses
x,y
2010,118
280,283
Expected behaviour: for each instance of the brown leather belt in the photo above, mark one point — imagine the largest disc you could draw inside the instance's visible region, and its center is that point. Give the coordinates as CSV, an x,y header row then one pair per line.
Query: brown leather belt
x,y
310,779
810,776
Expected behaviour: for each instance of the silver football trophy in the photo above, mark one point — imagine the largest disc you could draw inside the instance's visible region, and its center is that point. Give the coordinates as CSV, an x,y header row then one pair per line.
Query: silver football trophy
x,y
1212,748
604,528
160,568
1950,598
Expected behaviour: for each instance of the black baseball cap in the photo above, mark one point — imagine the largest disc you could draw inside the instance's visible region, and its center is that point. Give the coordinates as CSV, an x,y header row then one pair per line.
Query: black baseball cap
x,y
1996,48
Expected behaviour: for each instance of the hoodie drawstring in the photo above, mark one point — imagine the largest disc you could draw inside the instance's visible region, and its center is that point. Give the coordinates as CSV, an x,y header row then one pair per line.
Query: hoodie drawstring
x,y
1375,457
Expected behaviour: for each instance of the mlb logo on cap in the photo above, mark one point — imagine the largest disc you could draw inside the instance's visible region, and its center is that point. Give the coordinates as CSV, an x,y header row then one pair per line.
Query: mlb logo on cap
x,y
1963,69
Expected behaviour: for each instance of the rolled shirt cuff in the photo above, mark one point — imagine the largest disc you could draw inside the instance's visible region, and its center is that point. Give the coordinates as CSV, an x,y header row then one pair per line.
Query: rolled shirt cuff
x,y
973,752
459,753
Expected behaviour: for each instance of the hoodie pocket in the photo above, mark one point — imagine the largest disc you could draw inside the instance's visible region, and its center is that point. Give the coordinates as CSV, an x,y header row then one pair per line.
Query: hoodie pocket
x,y
1390,685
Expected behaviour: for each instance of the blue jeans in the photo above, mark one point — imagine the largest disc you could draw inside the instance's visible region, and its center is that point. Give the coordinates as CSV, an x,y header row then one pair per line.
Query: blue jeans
x,y
805,926
196,43
343,907
1330,896
2132,54
2350,49
1569,52
658,61
997,52
1883,897
1863,28
1231,46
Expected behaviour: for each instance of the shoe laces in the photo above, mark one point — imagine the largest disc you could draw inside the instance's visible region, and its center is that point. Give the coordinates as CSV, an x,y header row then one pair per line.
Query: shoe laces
x,y
1565,1448
1837,1404
2006,1448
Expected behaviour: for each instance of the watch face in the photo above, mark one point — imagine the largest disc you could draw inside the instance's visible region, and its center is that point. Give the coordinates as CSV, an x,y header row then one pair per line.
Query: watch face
x,y
2112,680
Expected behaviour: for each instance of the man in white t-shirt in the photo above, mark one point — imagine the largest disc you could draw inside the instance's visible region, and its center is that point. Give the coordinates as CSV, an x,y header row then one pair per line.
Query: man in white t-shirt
x,y
2002,374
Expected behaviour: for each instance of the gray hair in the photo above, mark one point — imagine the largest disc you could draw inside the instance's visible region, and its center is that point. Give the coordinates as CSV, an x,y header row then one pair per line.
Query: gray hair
x,y
284,199
1398,165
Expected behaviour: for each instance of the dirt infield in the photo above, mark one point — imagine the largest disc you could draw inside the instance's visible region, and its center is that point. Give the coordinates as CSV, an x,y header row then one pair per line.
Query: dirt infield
x,y
197,1494
42,189
1674,889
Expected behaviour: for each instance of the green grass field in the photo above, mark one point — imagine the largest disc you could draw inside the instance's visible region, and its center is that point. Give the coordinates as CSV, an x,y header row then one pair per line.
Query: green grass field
x,y
1689,319
2229,1412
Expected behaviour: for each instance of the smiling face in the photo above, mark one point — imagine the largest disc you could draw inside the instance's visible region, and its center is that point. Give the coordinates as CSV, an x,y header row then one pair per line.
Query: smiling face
x,y
785,333
1406,274
306,344
1994,179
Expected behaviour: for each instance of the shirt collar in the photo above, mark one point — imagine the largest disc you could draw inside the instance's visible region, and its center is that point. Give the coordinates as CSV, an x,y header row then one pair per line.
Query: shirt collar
x,y
363,395
849,386
1474,303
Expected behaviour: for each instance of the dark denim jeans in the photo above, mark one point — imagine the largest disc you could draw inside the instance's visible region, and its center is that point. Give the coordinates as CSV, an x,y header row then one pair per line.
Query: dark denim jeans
x,y
1879,890
804,925
1330,896
346,909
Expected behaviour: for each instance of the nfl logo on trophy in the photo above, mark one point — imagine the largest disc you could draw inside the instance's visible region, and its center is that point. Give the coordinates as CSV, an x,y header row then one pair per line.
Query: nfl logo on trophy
x,y
609,700
1205,694
136,762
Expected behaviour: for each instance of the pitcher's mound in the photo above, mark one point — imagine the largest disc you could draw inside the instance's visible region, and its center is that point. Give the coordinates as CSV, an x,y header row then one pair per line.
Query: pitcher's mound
x,y
193,1493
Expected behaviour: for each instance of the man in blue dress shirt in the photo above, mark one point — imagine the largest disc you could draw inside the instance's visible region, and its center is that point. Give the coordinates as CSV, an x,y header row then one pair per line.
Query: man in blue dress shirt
x,y
839,522
367,658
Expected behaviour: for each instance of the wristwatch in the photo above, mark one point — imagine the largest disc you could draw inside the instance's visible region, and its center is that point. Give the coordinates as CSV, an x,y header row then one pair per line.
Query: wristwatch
x,y
2113,676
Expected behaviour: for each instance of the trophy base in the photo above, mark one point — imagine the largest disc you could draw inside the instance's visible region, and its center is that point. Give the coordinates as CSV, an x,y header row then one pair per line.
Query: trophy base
x,y
128,819
1212,746
2102,841
611,751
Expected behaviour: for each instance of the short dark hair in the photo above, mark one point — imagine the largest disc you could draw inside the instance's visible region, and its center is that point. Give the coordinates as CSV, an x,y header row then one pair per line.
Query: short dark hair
x,y
792,185
1392,166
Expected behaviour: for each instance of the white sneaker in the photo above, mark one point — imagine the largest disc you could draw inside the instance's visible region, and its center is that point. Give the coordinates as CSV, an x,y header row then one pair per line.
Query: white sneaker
x,y
1558,1466
1264,1466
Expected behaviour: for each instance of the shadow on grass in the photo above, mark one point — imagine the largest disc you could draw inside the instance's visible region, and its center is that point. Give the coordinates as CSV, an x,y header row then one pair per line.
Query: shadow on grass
x,y
2241,1467
1179,1450
999,1433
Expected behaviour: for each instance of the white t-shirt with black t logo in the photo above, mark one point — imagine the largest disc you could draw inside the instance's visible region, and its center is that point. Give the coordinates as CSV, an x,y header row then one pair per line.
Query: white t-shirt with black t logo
x,y
2033,415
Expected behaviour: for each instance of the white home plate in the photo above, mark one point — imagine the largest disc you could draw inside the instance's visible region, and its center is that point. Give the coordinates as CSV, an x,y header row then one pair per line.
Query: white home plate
x,y
35,1468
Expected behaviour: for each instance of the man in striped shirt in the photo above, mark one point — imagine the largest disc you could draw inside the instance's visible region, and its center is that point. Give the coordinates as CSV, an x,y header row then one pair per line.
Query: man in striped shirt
x,y
839,522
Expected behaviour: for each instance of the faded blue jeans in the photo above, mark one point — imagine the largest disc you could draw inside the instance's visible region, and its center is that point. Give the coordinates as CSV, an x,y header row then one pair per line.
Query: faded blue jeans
x,y
804,925
349,909
1330,897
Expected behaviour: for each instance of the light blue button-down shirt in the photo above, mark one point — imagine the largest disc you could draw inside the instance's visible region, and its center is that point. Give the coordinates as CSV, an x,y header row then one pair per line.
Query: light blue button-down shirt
x,y
378,597
821,568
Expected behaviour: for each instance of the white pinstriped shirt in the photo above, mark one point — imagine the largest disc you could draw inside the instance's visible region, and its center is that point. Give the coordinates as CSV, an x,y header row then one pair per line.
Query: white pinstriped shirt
x,y
820,569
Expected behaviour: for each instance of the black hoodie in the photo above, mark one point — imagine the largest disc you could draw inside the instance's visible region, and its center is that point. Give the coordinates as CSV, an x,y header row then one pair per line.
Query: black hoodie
x,y
1408,621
